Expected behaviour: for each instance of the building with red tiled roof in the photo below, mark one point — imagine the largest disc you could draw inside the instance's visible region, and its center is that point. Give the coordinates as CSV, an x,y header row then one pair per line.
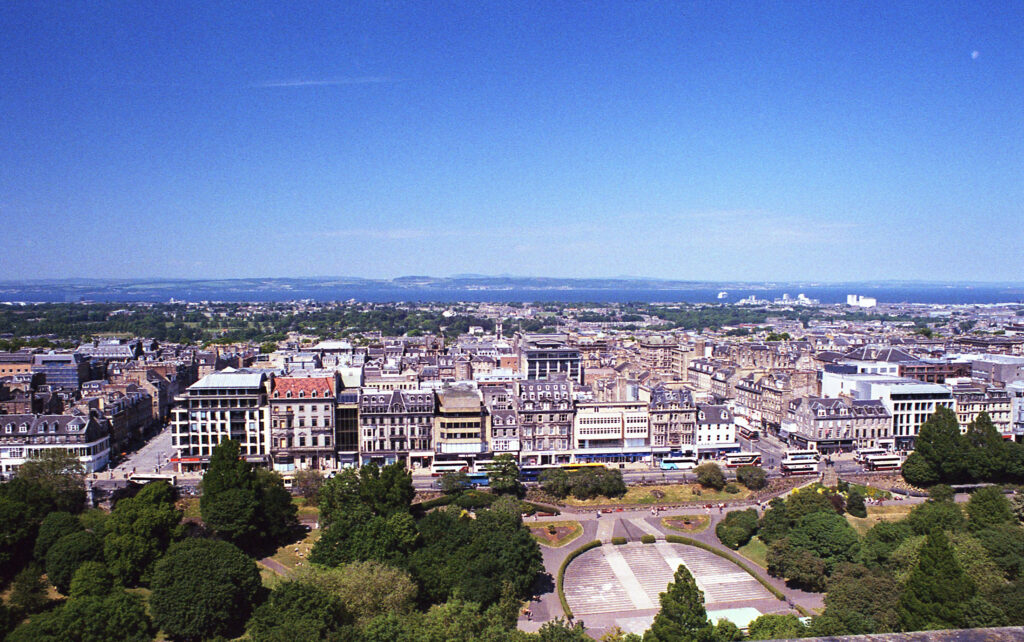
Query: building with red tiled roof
x,y
302,423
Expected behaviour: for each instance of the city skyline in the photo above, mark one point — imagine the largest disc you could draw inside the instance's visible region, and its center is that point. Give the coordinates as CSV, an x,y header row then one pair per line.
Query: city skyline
x,y
751,142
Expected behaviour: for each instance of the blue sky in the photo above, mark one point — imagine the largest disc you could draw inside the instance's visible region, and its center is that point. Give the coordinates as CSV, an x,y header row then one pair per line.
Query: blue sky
x,y
721,140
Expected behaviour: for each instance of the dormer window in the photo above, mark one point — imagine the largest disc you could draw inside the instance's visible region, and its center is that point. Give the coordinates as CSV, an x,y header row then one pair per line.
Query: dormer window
x,y
301,394
23,428
276,394
8,428
313,394
288,394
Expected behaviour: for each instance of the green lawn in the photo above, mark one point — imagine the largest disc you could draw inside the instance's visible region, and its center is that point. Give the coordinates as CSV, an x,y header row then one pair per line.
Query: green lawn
x,y
296,553
756,551
878,514
698,523
575,530
660,494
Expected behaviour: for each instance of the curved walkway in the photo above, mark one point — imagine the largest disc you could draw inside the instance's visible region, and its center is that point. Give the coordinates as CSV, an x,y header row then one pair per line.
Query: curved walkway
x,y
632,525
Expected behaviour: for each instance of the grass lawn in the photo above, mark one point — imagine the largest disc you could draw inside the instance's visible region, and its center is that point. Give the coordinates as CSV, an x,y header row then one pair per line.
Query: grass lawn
x,y
678,523
565,532
878,514
294,554
190,506
306,512
756,551
660,494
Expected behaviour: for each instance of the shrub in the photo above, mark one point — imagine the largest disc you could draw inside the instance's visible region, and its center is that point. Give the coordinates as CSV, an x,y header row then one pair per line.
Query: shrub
x,y
618,541
737,528
710,475
732,488
855,504
647,539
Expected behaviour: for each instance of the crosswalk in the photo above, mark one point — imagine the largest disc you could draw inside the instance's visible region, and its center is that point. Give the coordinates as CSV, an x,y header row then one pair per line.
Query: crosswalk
x,y
631,577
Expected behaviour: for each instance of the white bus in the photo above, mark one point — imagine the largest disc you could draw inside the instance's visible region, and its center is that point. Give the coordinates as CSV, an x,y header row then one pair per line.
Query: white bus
x,y
861,454
798,467
145,478
449,466
679,463
883,462
803,455
735,460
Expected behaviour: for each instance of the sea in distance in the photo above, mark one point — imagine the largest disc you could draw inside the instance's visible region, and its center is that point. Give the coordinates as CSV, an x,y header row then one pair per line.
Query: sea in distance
x,y
387,291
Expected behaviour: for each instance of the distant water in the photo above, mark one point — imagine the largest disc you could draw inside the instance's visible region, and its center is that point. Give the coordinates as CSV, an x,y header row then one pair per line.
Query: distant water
x,y
929,293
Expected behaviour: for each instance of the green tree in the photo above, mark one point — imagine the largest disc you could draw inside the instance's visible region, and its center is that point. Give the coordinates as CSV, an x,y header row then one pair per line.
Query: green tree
x,y
828,536
941,493
855,504
774,626
775,523
753,477
298,611
308,483
367,589
682,617
988,507
246,506
556,481
454,482
946,516
268,347
116,616
988,454
138,532
65,556
737,528
937,590
799,567
710,475
53,527
503,476
91,579
60,472
227,579
1005,546
940,443
881,540
861,601
28,593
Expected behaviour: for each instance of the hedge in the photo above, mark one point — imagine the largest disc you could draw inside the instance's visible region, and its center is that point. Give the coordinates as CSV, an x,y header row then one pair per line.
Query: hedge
x,y
647,539
561,573
618,541
677,539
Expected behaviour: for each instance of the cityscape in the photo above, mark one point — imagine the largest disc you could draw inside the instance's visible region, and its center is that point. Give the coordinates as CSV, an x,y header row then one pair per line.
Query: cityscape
x,y
589,321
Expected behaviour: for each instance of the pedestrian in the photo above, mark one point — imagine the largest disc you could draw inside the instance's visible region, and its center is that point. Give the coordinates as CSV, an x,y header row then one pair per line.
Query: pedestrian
x,y
721,506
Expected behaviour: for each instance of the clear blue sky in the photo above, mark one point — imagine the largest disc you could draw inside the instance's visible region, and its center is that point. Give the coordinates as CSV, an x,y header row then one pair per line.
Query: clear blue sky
x,y
719,140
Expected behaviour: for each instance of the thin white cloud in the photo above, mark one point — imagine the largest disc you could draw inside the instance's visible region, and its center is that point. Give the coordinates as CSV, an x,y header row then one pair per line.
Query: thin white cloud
x,y
323,82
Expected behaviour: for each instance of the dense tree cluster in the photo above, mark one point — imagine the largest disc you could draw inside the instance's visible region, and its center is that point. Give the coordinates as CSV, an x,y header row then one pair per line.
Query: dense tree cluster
x,y
586,483
242,504
367,517
943,455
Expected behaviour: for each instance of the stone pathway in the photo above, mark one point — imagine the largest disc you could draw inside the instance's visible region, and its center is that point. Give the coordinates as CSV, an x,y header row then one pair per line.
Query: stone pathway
x,y
631,577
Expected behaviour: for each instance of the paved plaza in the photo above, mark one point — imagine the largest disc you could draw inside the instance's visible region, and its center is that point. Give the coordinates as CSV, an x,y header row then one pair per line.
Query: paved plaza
x,y
626,578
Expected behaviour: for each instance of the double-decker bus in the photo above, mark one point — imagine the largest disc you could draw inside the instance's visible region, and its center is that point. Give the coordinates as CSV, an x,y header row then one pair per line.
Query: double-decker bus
x,y
799,467
532,473
861,454
735,460
750,434
803,455
883,462
679,463
451,466
581,466
478,479
482,465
